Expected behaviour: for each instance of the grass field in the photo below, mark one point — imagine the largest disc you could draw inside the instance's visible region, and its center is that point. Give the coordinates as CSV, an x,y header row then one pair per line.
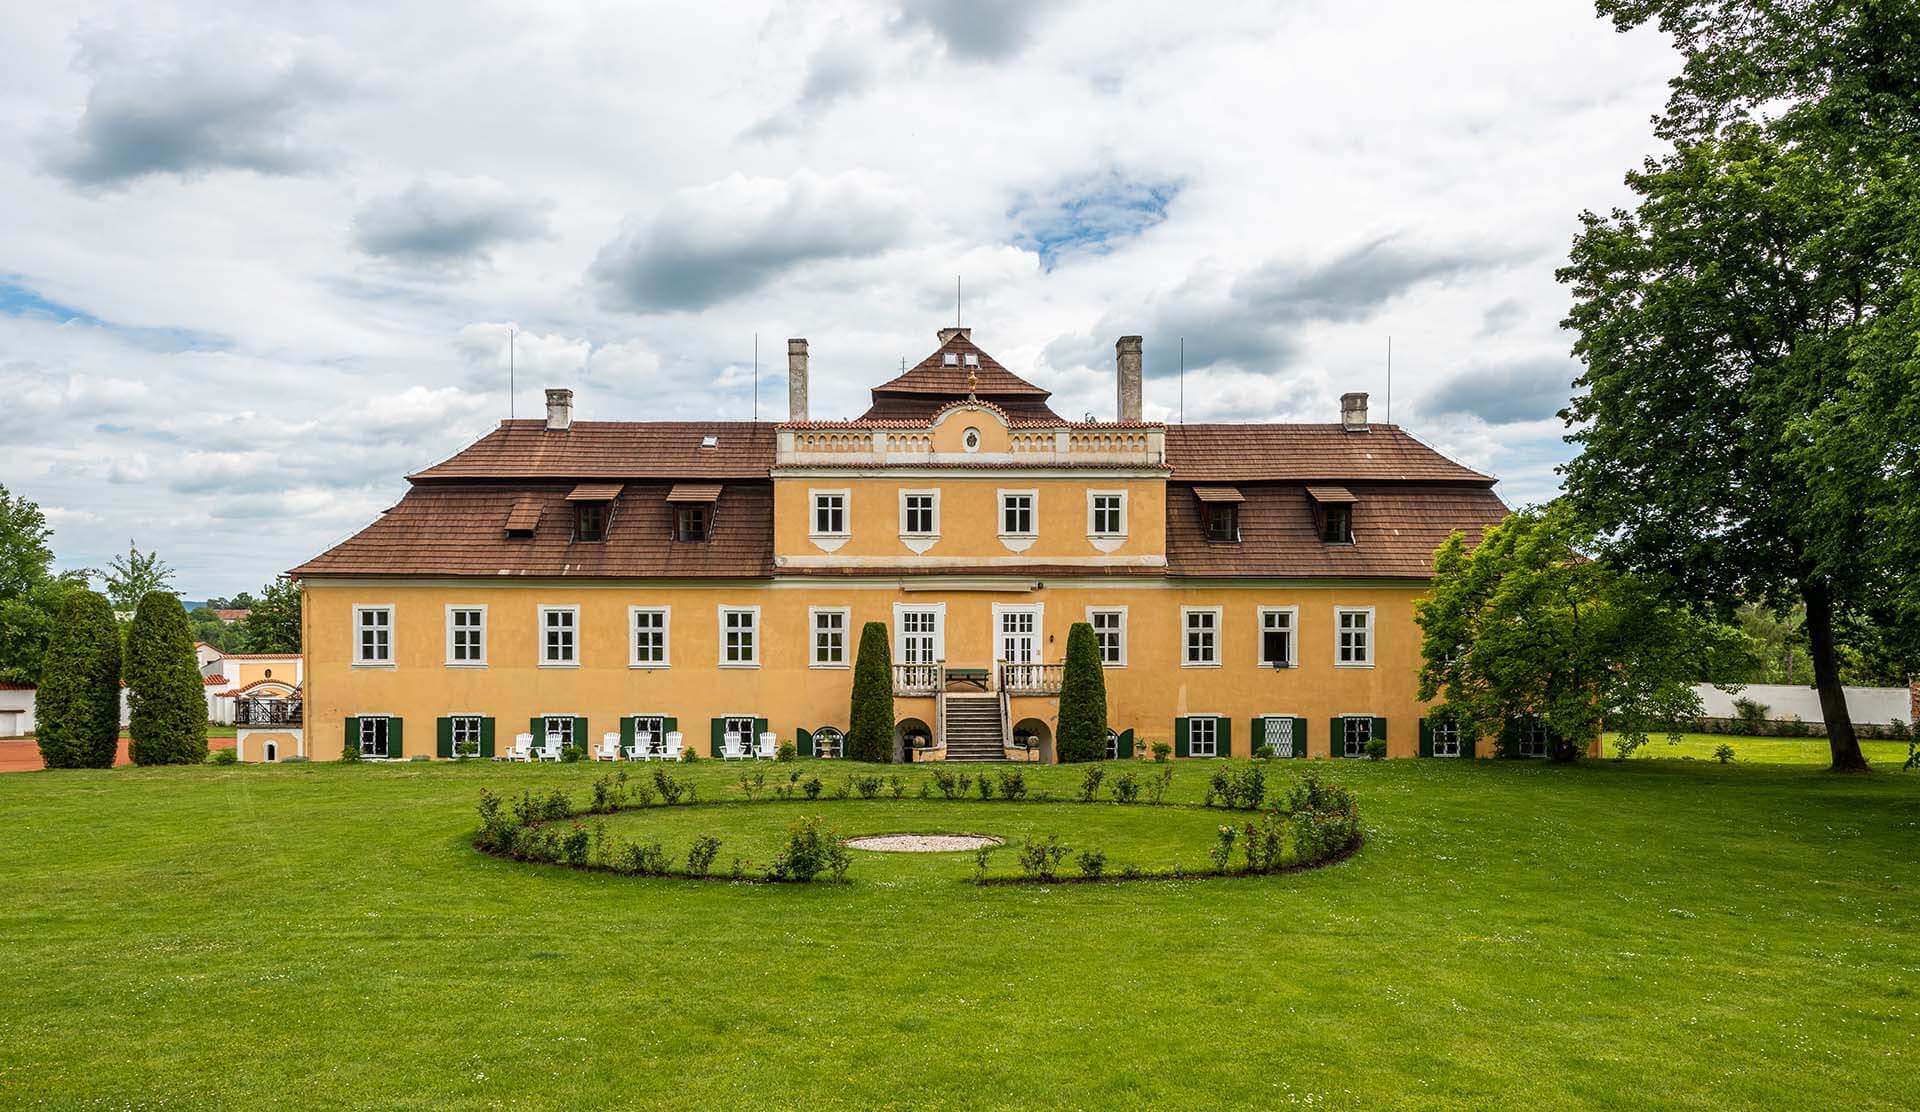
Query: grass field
x,y
1613,934
1764,750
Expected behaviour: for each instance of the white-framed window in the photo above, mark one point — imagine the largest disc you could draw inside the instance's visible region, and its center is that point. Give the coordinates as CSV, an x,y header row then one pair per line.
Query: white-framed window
x,y
950,359
647,635
919,639
829,636
466,636
559,636
552,724
1532,738
1200,628
1278,646
1110,630
466,735
919,513
972,359
829,513
1106,513
373,636
1356,733
1203,736
739,637
1353,628
1445,733
1017,508
374,732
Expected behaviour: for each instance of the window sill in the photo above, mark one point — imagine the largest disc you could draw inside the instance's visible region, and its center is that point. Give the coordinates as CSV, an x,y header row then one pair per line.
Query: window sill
x,y
466,664
737,664
559,664
1353,664
648,667
375,665
830,667
1199,664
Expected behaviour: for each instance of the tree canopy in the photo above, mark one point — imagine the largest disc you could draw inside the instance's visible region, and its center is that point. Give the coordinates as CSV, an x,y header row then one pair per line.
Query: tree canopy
x,y
132,577
870,722
273,626
165,695
31,595
1524,626
77,707
1082,730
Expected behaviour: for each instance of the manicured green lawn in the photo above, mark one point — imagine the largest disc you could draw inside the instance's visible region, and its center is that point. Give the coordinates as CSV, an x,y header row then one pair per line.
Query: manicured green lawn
x,y
1889,755
1615,934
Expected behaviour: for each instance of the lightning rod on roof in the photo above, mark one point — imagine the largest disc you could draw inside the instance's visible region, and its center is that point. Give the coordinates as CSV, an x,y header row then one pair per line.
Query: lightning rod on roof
x,y
956,301
1183,380
756,377
1389,380
509,374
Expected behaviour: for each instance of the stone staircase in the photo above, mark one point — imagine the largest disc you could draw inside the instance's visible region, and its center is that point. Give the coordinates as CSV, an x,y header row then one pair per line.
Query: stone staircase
x,y
973,728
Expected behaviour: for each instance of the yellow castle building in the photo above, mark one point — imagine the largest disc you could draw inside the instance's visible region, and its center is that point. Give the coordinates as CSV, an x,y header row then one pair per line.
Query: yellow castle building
x,y
621,584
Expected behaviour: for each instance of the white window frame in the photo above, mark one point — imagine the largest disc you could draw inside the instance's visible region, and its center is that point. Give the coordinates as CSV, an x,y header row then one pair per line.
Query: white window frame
x,y
1533,729
721,628
1095,533
1346,734
540,619
950,359
814,497
1370,633
1434,727
1293,636
1186,655
970,359
931,534
1121,632
571,742
814,614
481,660
453,728
360,660
363,720
1213,736
939,612
633,636
1033,513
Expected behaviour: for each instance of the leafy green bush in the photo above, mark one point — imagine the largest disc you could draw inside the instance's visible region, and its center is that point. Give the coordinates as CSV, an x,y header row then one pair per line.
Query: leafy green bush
x,y
868,786
808,852
574,844
1081,734
700,855
1377,749
811,788
225,756
1041,860
609,793
982,856
1237,789
1723,753
949,783
689,755
896,787
870,722
1161,751
1090,783
1092,863
1158,785
635,859
670,789
555,806
785,752
166,695
78,701
1751,714
985,785
1126,789
1222,851
753,782
1013,784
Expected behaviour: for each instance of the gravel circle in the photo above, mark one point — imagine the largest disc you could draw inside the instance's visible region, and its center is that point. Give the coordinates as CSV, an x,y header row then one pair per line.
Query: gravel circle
x,y
922,843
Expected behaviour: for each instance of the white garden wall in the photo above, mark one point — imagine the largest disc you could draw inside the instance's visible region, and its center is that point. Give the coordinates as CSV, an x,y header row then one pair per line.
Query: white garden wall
x,y
1867,705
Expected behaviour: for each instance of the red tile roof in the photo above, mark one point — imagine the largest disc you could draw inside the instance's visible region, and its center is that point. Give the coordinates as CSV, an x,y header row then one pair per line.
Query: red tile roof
x,y
1301,453
624,450
932,382
1396,527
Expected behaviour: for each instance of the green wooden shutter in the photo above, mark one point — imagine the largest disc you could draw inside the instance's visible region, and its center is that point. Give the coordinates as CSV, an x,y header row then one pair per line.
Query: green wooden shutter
x,y
394,747
353,735
1510,738
626,733
667,726
1180,737
1126,745
486,738
1223,734
1257,736
803,742
1299,737
759,727
1426,738
717,727
1336,738
1468,743
443,738
1380,728
537,727
581,736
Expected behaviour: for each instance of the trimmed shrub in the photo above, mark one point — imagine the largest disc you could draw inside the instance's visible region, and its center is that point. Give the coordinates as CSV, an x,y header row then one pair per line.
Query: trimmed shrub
x,y
1082,731
808,853
165,692
225,757
78,703
870,732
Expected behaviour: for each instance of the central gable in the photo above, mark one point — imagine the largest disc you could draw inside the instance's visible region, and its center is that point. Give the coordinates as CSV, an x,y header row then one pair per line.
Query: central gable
x,y
958,369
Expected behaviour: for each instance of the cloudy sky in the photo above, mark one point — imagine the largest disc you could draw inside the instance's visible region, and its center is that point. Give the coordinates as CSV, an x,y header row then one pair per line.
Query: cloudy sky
x,y
259,261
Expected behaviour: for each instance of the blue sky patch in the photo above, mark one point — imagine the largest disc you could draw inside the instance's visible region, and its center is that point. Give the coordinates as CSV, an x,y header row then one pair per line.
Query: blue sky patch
x,y
1088,215
18,300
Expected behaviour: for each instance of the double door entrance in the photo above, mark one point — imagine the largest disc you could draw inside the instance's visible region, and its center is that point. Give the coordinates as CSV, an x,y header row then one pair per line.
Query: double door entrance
x,y
921,643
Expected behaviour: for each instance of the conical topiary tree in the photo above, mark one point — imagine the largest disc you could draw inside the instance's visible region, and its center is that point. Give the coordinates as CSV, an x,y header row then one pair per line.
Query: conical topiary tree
x,y
165,694
1082,732
870,725
78,704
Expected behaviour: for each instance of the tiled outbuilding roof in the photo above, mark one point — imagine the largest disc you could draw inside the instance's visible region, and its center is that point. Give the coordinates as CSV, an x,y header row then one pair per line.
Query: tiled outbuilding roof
x,y
1303,453
1396,527
624,450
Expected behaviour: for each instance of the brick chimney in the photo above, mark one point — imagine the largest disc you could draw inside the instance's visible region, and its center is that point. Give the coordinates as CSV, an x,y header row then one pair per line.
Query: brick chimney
x,y
559,410
949,333
1353,412
1126,356
797,379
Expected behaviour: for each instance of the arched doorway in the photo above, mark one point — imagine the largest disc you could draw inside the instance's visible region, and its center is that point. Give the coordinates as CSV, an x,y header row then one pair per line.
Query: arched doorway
x,y
1037,736
909,734
273,751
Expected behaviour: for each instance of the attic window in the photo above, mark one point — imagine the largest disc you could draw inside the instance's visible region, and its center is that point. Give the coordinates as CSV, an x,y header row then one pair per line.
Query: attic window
x,y
1223,522
690,522
709,442
590,521
1333,513
973,359
950,359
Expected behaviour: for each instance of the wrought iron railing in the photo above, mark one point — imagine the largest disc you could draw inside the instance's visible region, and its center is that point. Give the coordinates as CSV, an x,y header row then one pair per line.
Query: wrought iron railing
x,y
1031,679
266,712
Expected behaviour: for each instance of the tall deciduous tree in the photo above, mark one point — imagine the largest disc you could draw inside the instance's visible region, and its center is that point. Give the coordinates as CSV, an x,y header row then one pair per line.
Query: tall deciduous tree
x,y
30,594
77,707
1082,730
1723,320
131,577
273,625
870,723
1524,626
165,695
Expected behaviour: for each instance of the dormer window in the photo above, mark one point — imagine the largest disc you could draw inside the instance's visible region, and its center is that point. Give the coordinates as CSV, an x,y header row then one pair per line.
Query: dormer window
x,y
590,521
1333,513
1220,512
690,523
692,505
972,359
950,359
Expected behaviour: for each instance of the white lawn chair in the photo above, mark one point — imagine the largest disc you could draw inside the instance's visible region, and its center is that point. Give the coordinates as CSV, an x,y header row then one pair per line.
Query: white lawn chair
x,y
767,742
609,747
522,748
674,740
730,746
642,742
551,750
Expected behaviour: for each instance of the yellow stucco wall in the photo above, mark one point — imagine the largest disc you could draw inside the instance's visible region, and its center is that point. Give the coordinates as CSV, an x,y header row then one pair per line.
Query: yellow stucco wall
x,y
1144,696
252,744
285,671
969,519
